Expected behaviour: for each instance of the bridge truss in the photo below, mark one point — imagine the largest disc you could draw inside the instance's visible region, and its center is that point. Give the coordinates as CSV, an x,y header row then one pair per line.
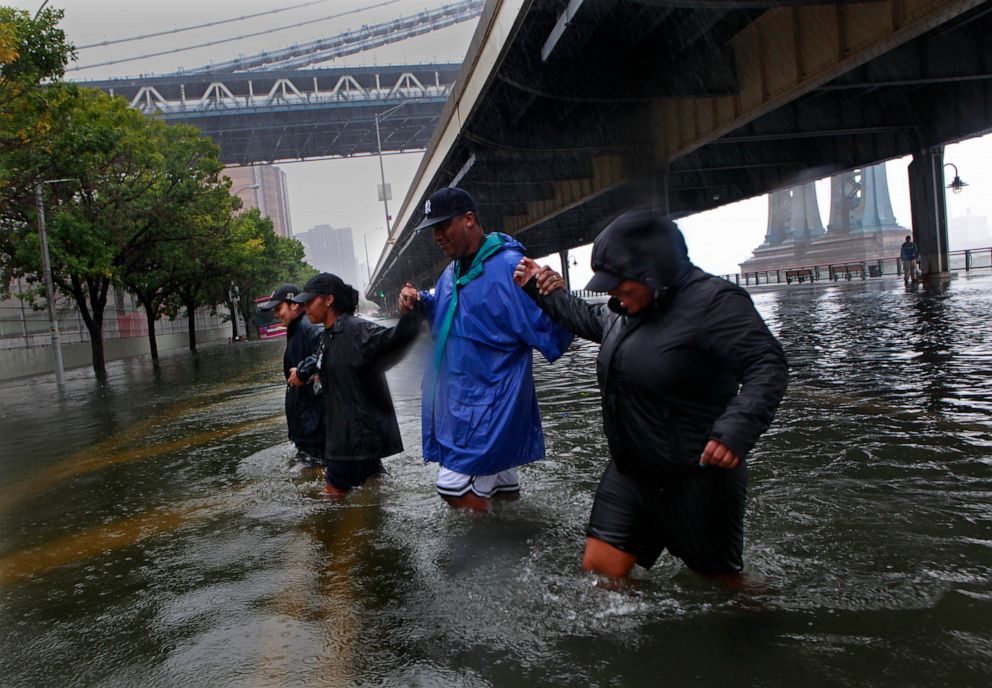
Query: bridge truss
x,y
269,116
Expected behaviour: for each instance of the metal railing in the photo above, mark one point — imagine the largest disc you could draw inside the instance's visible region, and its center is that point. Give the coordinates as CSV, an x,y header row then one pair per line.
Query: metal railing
x,y
26,328
967,260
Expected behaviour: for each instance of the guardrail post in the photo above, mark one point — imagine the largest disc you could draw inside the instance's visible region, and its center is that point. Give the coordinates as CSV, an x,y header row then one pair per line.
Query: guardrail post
x,y
967,261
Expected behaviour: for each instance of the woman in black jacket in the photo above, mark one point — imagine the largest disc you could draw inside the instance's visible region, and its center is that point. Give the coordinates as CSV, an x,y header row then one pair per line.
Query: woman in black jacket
x,y
353,356
690,377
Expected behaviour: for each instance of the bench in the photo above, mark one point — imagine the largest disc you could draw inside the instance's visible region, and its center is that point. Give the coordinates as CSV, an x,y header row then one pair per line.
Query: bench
x,y
802,275
847,270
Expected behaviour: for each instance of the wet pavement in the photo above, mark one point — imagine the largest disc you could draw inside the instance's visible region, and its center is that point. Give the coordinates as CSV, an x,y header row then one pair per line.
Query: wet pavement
x,y
155,531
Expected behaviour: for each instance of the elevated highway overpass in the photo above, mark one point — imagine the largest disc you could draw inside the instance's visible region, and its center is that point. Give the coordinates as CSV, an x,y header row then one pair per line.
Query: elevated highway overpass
x,y
565,113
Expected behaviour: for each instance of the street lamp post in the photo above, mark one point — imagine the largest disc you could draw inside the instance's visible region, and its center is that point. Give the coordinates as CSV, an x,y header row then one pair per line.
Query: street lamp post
x,y
382,171
46,266
368,268
245,188
956,186
379,116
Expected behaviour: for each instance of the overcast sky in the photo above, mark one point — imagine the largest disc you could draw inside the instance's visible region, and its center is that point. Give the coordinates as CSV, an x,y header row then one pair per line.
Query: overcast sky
x,y
343,192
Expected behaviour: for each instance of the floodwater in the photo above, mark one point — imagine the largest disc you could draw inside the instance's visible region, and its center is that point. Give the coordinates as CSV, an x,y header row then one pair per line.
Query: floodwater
x,y
154,530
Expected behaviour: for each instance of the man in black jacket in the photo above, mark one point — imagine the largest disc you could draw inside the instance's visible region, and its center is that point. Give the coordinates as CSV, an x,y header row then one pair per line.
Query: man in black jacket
x,y
304,405
690,378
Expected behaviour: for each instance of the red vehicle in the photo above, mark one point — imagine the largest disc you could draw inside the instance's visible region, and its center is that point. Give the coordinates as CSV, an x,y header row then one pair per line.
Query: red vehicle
x,y
269,326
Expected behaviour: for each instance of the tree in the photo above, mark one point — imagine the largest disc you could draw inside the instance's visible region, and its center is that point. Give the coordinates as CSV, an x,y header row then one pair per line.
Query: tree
x,y
189,199
105,215
269,260
32,51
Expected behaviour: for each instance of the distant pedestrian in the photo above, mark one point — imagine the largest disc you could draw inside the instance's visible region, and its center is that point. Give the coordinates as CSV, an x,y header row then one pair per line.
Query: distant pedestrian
x,y
909,256
480,415
304,406
352,359
690,377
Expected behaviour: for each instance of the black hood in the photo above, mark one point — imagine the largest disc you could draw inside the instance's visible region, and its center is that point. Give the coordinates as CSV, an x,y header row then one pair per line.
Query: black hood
x,y
640,245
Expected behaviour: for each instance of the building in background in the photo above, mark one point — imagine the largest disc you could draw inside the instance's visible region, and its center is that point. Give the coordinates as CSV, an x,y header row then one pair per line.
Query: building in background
x,y
263,187
969,231
332,249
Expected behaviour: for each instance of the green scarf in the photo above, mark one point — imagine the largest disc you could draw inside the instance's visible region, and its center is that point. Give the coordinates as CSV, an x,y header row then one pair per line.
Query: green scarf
x,y
493,243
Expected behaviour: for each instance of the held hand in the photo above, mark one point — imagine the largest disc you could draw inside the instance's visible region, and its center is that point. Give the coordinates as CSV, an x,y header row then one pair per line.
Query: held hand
x,y
525,269
409,296
719,455
294,380
549,281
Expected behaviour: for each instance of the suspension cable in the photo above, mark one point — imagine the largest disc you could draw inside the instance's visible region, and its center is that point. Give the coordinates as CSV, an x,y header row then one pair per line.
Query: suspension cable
x,y
229,40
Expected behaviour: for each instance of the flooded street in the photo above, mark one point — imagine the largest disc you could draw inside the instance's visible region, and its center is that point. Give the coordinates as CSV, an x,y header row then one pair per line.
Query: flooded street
x,y
154,531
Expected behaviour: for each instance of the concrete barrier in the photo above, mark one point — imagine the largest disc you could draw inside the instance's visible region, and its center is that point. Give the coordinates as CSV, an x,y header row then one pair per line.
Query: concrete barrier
x,y
38,359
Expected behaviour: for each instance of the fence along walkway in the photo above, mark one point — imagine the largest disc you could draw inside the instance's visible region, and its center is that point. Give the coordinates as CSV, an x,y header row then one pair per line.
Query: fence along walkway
x,y
967,260
21,326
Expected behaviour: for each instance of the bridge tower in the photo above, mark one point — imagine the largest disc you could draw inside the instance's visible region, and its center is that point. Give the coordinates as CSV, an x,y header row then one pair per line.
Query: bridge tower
x,y
793,222
862,225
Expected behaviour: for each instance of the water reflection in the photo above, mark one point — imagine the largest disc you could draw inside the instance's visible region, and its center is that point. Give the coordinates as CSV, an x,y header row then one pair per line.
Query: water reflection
x,y
158,533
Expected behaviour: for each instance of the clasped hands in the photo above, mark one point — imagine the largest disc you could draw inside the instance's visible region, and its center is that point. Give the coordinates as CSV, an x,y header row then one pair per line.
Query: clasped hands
x,y
548,280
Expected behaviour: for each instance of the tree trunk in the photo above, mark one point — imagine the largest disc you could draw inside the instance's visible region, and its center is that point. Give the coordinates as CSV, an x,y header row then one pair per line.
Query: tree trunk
x,y
191,315
96,349
92,312
152,343
247,312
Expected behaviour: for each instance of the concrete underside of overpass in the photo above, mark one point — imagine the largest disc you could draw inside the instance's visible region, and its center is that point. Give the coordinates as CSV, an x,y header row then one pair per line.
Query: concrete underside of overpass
x,y
566,113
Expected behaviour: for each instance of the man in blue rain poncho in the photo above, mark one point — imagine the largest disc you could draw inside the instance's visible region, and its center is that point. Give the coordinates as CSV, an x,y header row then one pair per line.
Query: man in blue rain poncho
x,y
480,415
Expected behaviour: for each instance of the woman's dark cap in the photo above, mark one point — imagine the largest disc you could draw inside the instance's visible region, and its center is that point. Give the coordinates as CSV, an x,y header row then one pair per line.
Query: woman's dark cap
x,y
640,245
322,284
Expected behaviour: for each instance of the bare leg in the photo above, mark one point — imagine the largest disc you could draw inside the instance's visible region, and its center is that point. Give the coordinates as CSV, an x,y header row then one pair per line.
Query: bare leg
x,y
332,491
605,559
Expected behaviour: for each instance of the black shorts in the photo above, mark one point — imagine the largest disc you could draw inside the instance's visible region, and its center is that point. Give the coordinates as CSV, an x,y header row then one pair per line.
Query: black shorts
x,y
346,475
697,516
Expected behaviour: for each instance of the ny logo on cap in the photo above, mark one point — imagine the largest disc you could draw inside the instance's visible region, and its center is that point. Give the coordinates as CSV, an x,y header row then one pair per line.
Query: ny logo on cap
x,y
290,295
427,207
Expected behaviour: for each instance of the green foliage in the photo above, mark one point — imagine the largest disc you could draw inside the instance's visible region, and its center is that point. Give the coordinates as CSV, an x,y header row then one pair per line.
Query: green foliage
x,y
141,205
32,51
266,260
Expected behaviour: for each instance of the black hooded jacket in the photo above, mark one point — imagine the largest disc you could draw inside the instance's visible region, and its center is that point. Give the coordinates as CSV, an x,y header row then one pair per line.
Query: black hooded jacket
x,y
361,422
304,409
698,364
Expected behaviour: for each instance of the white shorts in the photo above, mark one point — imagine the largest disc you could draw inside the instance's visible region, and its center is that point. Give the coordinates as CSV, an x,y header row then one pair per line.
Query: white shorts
x,y
454,484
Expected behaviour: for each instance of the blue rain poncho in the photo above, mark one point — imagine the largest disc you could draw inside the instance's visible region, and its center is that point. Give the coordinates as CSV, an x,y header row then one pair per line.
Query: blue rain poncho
x,y
480,412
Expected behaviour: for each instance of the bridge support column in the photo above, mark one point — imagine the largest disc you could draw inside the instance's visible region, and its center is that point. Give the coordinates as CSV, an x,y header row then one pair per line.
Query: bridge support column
x,y
928,205
659,191
563,255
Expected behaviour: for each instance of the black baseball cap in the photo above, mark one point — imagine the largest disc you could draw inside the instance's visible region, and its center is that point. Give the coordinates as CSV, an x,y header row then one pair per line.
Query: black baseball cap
x,y
284,293
324,283
445,204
